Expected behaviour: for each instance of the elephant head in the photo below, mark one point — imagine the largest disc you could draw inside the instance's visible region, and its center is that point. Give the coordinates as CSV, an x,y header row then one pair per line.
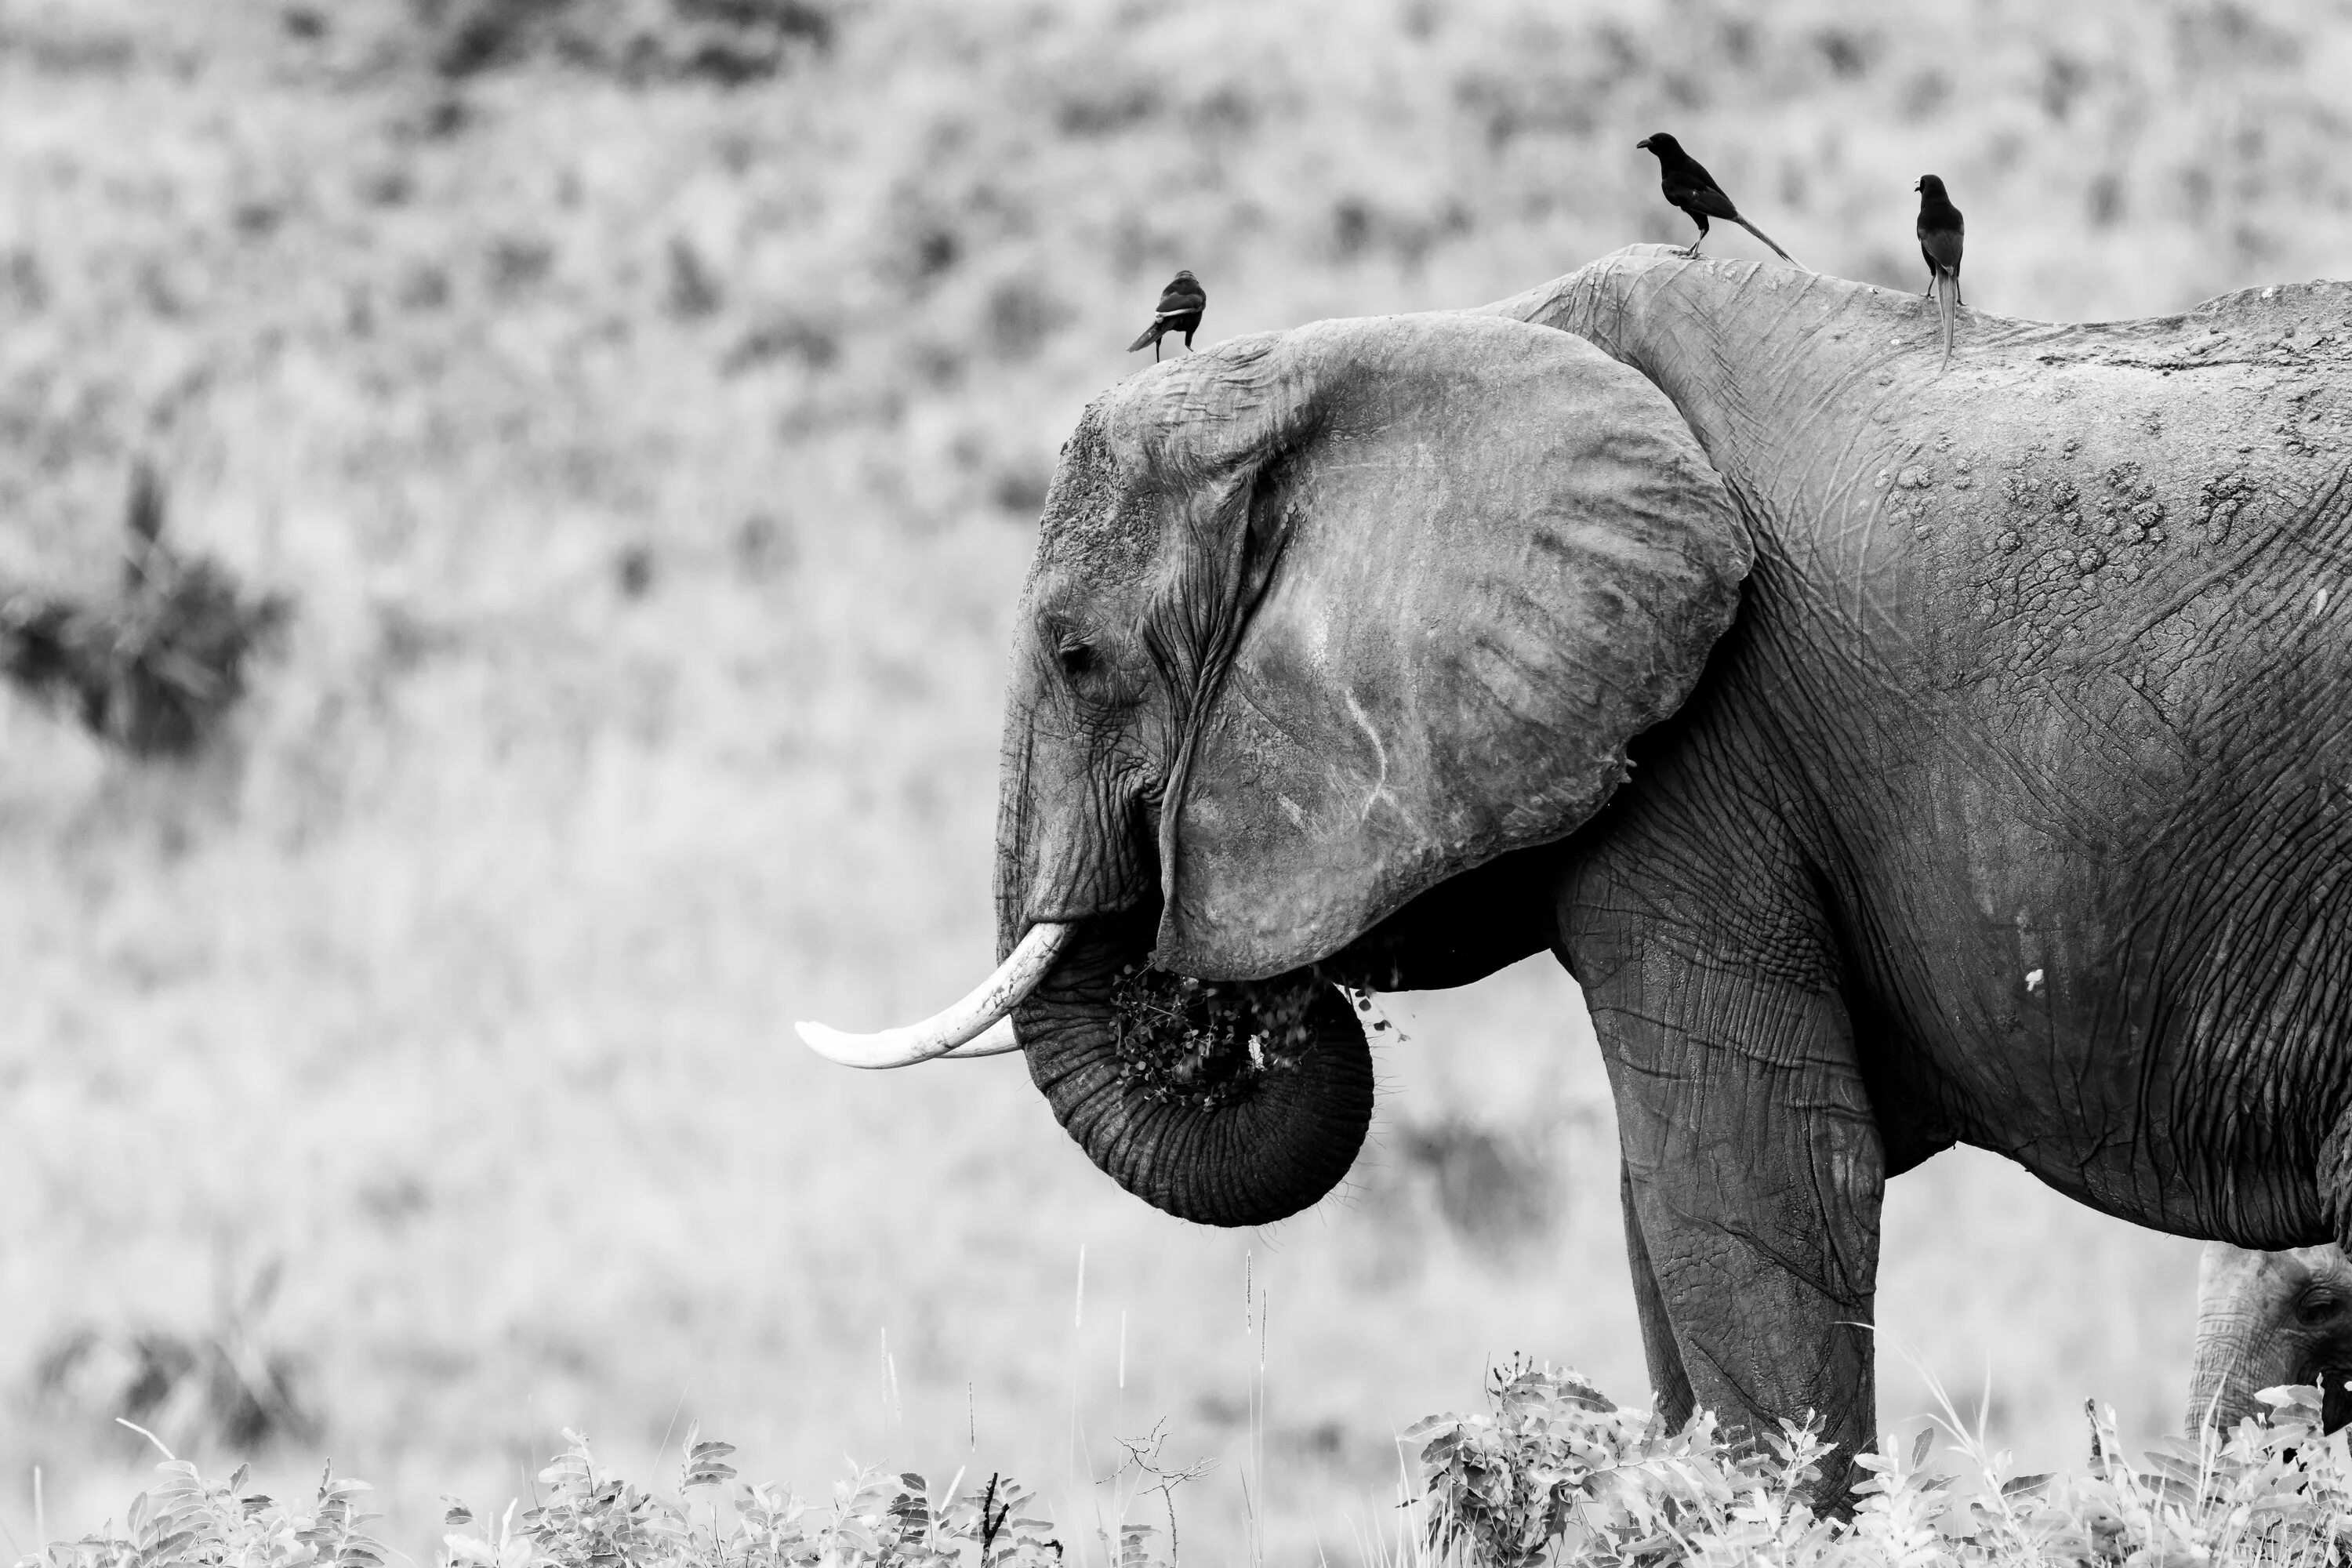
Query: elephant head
x,y
1328,633
2265,1319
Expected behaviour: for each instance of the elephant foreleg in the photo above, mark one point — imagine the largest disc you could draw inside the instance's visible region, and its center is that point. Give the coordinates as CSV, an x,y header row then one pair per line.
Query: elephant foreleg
x,y
1753,1172
1670,1384
1753,1164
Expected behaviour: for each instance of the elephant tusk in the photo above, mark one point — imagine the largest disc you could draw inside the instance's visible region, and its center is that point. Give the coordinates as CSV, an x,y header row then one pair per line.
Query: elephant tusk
x,y
979,1026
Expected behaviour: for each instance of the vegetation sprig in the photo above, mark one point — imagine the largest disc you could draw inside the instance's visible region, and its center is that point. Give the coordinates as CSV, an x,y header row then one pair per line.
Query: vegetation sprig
x,y
1205,1040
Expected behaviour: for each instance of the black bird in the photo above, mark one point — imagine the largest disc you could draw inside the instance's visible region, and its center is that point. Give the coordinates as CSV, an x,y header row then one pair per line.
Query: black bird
x,y
1941,231
1181,304
1689,186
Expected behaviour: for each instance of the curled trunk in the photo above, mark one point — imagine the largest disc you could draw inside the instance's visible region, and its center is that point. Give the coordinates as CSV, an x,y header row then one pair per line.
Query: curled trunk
x,y
1230,1104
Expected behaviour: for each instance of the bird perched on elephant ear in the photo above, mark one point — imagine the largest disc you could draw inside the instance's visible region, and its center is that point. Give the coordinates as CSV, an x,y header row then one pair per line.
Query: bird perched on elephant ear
x,y
1687,185
1941,231
1181,304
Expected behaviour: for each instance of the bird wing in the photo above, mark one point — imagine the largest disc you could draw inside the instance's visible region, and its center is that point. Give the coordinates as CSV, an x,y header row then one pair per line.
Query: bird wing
x,y
1941,246
1701,194
1174,301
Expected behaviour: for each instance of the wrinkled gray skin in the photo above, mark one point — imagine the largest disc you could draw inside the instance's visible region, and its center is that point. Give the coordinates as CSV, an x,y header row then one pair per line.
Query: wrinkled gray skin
x,y
2265,1319
1982,740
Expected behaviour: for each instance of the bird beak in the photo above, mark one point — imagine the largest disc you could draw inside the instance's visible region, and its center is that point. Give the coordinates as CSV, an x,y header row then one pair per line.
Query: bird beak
x,y
1642,145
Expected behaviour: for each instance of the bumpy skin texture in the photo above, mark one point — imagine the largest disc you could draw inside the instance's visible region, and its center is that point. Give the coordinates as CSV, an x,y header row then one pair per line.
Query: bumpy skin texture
x,y
2014,808
2014,811
2265,1319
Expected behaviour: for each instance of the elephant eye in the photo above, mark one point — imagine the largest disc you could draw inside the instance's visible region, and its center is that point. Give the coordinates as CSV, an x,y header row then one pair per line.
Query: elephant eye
x,y
1077,660
2319,1306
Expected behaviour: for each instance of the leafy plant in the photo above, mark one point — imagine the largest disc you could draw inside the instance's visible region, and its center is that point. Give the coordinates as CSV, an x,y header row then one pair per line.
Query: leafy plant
x,y
875,1519
185,1519
1552,1472
1555,1470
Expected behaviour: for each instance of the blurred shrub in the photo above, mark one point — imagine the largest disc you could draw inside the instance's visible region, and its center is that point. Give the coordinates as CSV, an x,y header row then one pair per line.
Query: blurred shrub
x,y
154,667
727,41
1499,1187
214,1385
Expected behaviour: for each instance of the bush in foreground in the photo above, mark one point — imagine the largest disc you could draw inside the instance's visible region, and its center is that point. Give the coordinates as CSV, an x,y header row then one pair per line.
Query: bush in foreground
x,y
1550,1472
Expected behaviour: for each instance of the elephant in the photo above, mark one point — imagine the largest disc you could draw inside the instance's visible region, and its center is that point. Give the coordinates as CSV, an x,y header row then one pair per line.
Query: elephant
x,y
2264,1318
1894,759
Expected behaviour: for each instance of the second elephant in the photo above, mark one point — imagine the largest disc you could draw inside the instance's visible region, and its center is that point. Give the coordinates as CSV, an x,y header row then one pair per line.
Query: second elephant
x,y
2265,1319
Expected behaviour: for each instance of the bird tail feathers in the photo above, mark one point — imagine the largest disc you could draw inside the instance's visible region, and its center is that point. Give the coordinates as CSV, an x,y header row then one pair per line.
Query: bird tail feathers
x,y
1150,335
1947,299
1768,240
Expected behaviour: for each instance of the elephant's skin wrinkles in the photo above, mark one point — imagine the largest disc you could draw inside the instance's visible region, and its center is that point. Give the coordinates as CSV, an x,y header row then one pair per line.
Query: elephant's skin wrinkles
x,y
1990,756
2076,777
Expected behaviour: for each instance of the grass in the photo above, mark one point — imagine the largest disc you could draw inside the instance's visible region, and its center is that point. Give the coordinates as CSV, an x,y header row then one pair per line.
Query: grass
x,y
1552,1472
651,462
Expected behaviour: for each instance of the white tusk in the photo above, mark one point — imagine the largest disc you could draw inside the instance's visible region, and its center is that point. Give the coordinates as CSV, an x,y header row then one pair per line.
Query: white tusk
x,y
979,1026
993,1041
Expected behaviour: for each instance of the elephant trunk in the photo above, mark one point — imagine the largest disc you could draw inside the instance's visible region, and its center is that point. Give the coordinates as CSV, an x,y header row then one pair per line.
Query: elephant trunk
x,y
2225,1375
2242,1344
1225,1103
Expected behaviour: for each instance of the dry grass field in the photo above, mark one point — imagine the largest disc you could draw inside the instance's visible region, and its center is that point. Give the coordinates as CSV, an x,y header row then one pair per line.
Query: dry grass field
x,y
646,403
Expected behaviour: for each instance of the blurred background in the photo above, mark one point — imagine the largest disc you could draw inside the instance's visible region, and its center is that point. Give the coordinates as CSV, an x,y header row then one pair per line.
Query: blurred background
x,y
594,447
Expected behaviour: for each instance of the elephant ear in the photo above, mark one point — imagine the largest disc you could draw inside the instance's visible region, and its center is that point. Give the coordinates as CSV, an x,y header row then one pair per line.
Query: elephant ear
x,y
1475,557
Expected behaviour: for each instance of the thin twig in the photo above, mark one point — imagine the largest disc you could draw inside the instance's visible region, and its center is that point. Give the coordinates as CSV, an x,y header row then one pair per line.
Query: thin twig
x,y
151,1437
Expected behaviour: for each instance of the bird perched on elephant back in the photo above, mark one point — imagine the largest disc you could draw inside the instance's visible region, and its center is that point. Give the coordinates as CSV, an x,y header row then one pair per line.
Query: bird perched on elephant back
x,y
1894,761
1179,311
1684,181
2264,1318
1942,234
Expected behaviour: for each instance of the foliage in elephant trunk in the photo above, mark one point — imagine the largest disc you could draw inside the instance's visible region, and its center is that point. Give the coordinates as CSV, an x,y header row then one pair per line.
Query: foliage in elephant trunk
x,y
1223,1102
